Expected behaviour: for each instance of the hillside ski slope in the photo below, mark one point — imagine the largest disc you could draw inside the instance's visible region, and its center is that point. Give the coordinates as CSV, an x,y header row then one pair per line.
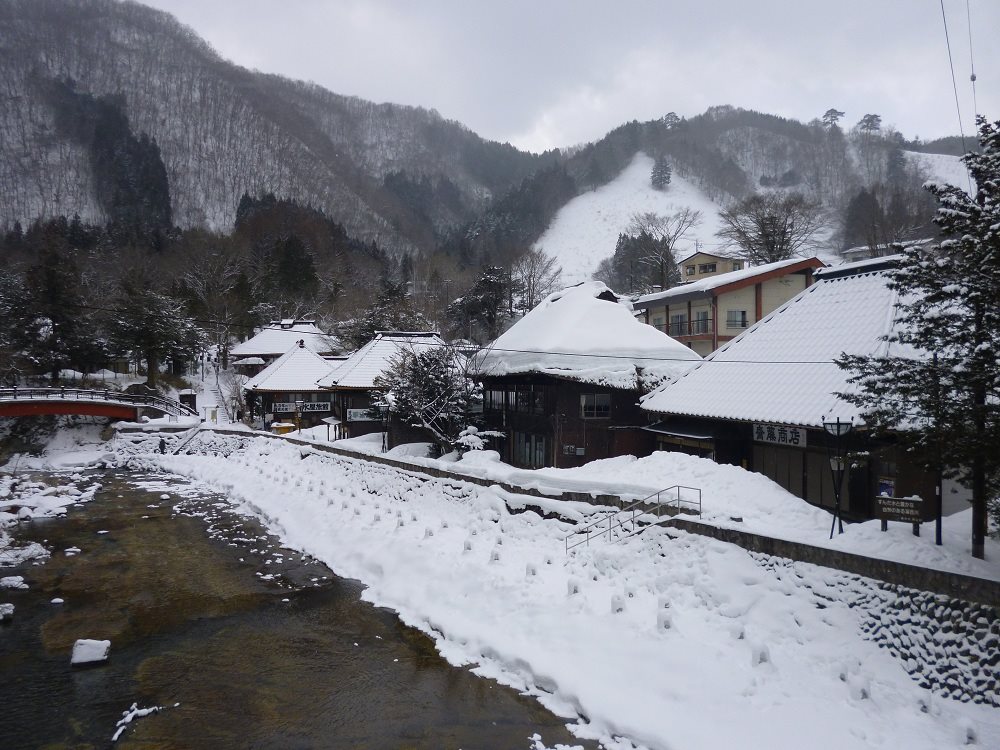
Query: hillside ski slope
x,y
585,230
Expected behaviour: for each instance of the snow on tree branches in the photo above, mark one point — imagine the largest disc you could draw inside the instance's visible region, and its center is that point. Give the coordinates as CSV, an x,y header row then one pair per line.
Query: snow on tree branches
x,y
429,389
945,403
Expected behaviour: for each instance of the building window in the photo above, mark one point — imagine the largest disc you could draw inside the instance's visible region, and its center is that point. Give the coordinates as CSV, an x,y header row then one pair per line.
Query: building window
x,y
706,268
700,323
493,400
678,325
737,265
595,405
689,270
530,450
736,319
528,399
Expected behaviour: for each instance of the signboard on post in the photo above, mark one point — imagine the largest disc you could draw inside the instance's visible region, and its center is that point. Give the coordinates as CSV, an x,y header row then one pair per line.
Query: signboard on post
x,y
902,509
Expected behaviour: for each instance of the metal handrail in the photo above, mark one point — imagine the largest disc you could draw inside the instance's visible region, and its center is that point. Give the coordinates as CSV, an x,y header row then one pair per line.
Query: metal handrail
x,y
617,519
167,406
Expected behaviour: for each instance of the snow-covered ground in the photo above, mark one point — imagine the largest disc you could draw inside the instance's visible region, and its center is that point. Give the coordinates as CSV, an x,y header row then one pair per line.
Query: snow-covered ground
x,y
667,640
585,230
942,168
731,498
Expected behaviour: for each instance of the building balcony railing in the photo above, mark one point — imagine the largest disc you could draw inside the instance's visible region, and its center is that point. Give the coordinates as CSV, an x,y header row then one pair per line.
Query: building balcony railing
x,y
687,327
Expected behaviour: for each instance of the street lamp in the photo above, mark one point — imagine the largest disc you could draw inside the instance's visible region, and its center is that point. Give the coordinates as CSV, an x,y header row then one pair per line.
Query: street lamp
x,y
298,416
838,464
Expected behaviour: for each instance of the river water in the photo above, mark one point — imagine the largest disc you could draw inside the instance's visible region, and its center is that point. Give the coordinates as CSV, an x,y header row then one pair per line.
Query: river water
x,y
244,644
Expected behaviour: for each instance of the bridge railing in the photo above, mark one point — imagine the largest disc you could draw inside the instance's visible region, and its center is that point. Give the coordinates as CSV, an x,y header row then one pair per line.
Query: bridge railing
x,y
165,405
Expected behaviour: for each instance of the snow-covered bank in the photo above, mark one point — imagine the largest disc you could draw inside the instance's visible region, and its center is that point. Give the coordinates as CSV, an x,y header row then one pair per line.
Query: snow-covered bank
x,y
666,640
731,498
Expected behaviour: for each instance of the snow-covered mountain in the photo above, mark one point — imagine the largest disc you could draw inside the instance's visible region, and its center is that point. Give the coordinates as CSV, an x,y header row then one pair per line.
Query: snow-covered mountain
x,y
103,93
401,176
585,230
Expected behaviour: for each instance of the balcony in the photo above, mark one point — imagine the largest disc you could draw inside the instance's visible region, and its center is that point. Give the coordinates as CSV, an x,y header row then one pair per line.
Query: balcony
x,y
697,327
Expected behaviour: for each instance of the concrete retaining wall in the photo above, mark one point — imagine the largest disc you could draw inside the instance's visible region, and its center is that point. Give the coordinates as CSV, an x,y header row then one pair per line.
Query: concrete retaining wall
x,y
954,585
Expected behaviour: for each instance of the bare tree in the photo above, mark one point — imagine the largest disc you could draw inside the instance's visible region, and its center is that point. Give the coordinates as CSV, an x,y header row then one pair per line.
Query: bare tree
x,y
664,231
768,227
535,275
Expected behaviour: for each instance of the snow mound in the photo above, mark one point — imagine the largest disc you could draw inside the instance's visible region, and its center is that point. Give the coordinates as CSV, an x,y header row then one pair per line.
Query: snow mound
x,y
87,651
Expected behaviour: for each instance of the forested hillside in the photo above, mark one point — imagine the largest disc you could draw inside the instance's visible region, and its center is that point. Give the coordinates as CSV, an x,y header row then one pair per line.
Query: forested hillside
x,y
397,175
132,155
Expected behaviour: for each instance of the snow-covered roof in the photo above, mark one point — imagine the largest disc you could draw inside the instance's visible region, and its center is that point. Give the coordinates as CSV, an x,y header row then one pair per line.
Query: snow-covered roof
x,y
732,277
248,361
782,370
361,368
279,336
296,370
585,333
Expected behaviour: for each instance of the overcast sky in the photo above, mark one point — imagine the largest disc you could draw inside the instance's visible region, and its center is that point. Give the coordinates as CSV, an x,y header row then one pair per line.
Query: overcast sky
x,y
549,73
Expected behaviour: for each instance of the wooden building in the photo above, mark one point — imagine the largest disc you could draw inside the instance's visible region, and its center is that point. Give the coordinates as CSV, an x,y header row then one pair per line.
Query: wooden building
x,y
761,400
286,389
563,383
278,336
350,385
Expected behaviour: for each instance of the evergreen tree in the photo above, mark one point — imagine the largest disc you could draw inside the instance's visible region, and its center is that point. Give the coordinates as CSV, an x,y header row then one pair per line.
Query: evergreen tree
x,y
49,327
945,402
661,174
153,326
831,117
429,389
392,311
483,311
863,219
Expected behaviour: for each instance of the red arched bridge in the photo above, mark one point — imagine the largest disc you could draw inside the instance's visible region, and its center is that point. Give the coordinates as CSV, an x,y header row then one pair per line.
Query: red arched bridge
x,y
25,402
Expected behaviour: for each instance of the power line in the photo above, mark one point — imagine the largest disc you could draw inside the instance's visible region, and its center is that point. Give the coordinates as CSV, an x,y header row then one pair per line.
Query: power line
x,y
609,356
954,86
586,355
972,62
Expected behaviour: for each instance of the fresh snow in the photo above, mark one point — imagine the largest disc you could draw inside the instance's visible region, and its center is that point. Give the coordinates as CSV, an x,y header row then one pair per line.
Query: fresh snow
x,y
585,230
578,335
942,168
667,640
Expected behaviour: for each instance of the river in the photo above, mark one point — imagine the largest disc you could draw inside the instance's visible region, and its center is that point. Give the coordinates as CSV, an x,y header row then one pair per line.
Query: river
x,y
242,643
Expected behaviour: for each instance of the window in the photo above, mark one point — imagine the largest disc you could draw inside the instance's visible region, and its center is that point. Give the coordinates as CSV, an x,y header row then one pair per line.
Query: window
x,y
700,324
736,319
658,322
530,450
678,325
689,270
706,268
528,399
595,405
493,400
737,265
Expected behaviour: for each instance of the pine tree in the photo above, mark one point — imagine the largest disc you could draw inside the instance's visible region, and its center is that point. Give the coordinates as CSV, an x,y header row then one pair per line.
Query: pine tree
x,y
153,326
944,404
429,389
661,174
485,309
